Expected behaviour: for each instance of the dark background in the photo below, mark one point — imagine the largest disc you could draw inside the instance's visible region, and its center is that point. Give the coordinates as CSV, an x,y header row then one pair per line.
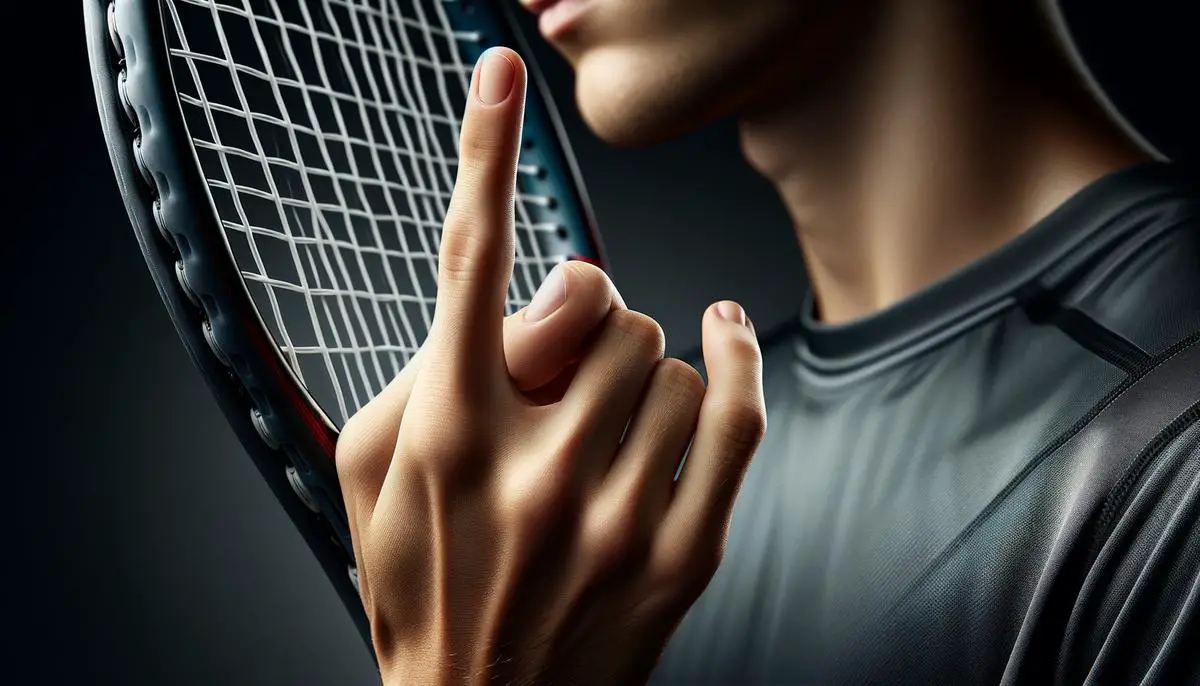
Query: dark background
x,y
142,547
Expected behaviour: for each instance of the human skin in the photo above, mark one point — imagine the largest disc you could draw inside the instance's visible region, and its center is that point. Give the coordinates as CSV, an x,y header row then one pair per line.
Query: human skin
x,y
517,533
905,137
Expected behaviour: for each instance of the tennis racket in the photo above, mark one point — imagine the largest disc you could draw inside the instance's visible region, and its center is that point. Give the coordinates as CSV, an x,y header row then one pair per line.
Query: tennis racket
x,y
286,166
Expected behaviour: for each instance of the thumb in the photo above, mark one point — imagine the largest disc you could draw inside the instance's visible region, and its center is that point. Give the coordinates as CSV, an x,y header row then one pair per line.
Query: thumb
x,y
544,338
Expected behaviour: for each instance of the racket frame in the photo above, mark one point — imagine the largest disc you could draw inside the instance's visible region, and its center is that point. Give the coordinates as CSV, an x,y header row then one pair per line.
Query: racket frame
x,y
289,438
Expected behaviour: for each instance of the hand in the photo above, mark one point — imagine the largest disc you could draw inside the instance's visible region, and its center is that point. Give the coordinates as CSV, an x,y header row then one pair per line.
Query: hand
x,y
502,539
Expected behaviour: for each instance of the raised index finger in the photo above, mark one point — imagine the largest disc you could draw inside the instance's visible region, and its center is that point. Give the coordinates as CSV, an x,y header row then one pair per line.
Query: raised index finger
x,y
476,255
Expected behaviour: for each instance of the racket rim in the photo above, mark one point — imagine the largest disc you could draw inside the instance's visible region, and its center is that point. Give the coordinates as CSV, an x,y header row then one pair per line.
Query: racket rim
x,y
130,144
188,222
151,148
180,137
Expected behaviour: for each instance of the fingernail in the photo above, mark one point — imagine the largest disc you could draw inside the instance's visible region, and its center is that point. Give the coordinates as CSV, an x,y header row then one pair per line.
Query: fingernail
x,y
549,297
496,76
731,312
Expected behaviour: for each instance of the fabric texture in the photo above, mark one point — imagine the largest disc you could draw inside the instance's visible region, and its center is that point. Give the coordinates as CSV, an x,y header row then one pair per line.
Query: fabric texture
x,y
996,480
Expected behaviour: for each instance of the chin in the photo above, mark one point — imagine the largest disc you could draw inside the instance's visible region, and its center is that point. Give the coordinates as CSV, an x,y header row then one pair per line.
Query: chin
x,y
632,102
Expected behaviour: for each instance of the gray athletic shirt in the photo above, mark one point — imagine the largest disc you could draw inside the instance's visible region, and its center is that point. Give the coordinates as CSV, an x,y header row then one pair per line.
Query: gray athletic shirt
x,y
996,480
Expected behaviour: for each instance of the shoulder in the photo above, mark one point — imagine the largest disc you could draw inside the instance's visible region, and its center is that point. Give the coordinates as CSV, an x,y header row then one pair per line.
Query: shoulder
x,y
1140,599
1145,285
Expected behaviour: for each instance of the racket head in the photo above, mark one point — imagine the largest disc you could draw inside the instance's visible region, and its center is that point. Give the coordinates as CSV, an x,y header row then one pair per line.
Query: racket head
x,y
144,64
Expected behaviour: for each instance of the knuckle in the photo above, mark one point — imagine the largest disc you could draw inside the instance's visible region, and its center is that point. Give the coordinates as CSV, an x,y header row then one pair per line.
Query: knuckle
x,y
641,331
739,423
361,444
460,255
350,439
681,377
351,450
743,349
531,497
685,571
742,424
613,535
587,272
480,145
587,278
438,451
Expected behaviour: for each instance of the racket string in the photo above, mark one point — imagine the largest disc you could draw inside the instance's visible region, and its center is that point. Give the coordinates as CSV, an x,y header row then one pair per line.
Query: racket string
x,y
328,133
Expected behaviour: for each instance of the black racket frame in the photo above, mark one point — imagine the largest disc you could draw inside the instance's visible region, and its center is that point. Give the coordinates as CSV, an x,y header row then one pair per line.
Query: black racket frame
x,y
179,233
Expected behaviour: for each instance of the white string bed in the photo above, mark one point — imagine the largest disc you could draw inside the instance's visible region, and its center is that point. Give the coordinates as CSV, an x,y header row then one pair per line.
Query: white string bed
x,y
328,134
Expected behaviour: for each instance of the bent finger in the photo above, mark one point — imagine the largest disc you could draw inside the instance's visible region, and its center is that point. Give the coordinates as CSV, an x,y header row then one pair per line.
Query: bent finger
x,y
542,339
731,425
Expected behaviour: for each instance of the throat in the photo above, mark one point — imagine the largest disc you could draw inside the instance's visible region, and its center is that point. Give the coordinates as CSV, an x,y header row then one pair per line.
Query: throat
x,y
932,145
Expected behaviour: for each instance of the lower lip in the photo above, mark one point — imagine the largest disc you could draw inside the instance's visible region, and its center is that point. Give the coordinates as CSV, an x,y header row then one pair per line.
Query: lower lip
x,y
558,18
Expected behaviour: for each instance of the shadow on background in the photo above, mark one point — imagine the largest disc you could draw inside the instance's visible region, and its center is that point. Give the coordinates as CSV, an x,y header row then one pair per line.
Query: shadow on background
x,y
142,547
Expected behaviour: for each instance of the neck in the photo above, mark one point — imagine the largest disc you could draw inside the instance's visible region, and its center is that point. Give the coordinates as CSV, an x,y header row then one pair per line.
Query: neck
x,y
945,134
